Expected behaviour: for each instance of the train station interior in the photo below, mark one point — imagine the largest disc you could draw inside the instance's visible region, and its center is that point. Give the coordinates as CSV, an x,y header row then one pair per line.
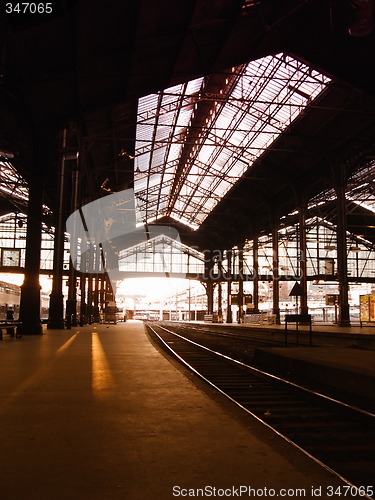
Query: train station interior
x,y
203,169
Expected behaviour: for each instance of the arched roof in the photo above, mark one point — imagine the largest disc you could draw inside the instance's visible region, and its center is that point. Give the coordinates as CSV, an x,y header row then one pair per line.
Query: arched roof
x,y
90,63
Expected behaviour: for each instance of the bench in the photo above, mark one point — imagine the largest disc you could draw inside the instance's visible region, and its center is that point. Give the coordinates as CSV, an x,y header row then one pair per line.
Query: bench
x,y
297,318
10,327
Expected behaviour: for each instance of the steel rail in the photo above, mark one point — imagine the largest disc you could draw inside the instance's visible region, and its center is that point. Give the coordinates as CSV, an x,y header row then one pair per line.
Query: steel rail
x,y
267,375
270,375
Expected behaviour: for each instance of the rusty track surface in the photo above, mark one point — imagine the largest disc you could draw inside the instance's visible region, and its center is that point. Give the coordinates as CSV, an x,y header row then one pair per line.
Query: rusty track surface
x,y
339,436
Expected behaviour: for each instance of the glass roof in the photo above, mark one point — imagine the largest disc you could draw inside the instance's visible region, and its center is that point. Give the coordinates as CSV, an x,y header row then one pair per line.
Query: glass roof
x,y
193,145
360,190
12,185
14,188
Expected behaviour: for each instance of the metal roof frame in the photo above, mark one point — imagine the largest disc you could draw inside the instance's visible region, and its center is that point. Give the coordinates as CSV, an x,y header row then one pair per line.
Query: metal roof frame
x,y
196,140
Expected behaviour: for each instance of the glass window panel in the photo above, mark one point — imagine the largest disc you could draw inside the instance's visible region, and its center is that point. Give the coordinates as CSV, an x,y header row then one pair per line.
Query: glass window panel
x,y
265,96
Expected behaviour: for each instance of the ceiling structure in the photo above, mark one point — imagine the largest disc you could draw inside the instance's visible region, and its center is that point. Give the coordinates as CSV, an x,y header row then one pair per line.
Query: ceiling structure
x,y
187,159
117,70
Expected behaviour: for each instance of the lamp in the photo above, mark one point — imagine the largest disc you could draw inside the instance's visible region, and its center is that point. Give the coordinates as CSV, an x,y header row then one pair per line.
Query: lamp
x,y
362,21
7,155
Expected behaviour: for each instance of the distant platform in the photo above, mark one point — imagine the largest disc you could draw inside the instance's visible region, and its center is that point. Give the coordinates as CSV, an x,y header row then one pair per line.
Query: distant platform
x,y
349,370
100,412
367,332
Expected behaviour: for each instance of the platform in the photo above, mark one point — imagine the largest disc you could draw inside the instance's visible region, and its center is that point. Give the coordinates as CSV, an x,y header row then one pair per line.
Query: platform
x,y
322,334
349,370
341,358
99,412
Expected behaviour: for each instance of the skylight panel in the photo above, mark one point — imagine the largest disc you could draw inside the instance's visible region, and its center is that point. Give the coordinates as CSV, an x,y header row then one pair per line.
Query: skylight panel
x,y
161,125
368,205
11,183
257,103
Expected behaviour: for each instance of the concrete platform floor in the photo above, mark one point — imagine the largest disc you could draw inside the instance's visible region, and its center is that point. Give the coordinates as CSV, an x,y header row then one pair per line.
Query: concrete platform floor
x,y
322,334
351,371
99,412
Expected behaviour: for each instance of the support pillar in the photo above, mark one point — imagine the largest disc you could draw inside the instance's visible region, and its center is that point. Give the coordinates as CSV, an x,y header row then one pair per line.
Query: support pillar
x,y
240,284
275,270
90,300
30,289
103,285
210,296
82,314
342,264
56,304
108,293
302,260
83,287
208,271
71,303
256,275
220,302
96,311
90,285
229,287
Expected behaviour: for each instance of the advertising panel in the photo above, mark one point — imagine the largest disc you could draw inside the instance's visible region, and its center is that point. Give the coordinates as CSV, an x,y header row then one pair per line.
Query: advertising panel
x,y
364,311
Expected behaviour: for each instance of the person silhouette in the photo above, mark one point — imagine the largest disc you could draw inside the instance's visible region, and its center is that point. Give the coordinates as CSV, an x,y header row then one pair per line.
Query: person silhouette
x,y
10,317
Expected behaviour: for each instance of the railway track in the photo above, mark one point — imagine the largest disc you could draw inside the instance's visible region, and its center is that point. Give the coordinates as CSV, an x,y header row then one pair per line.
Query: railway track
x,y
272,336
242,344
245,336
338,436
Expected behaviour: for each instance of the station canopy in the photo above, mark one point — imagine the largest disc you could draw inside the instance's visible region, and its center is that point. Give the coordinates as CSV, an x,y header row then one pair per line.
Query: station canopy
x,y
195,140
12,186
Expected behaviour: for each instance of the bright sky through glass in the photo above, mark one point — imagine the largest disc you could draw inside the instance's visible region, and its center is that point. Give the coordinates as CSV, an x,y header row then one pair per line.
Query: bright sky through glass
x,y
11,183
256,103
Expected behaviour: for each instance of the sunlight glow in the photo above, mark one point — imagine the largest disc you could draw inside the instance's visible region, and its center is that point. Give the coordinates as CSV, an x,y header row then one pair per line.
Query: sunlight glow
x,y
182,174
67,344
151,288
101,375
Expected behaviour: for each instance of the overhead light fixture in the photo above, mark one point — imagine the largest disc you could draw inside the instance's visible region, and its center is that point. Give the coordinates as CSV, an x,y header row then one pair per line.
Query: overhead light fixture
x,y
126,154
104,184
362,21
300,92
8,155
